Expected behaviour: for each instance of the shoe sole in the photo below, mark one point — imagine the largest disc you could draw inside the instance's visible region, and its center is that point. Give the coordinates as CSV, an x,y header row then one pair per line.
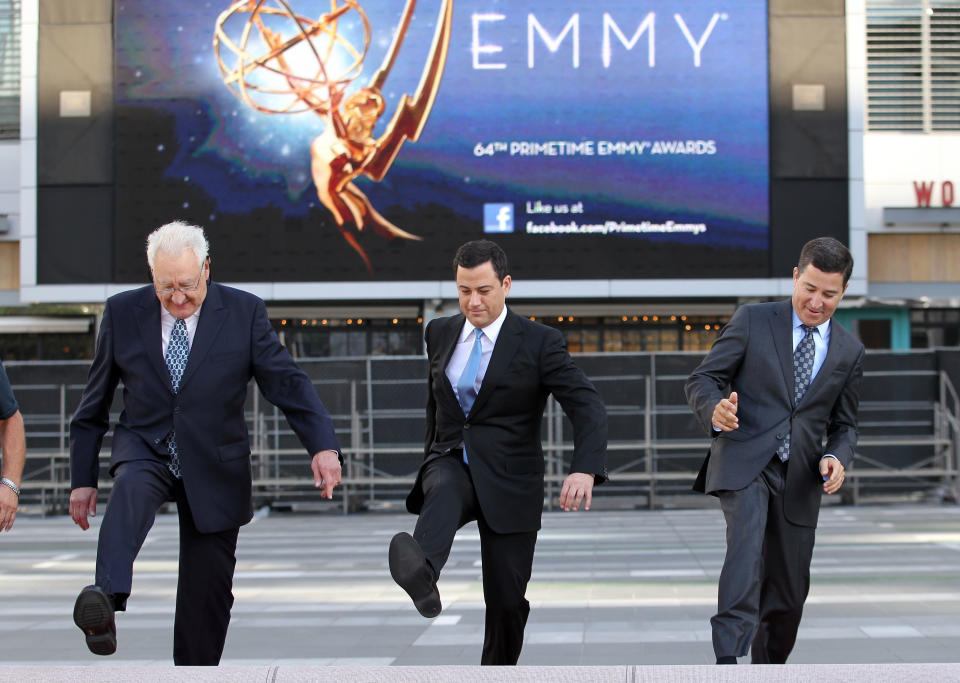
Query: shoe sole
x,y
406,552
92,614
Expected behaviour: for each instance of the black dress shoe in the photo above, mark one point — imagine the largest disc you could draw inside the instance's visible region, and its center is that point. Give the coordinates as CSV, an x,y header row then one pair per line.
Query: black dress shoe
x,y
410,570
729,659
93,613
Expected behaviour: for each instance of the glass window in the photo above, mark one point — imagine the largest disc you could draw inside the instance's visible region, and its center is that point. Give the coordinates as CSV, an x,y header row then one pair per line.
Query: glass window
x,y
325,338
913,65
47,346
613,339
636,332
590,340
932,327
9,68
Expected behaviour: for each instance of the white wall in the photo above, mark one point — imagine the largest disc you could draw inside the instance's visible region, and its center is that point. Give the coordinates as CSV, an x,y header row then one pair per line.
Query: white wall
x,y
893,161
856,97
27,176
10,187
883,166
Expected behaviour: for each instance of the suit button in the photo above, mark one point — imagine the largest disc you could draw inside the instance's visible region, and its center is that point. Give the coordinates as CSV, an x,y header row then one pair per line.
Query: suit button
x,y
176,410
157,441
466,426
780,437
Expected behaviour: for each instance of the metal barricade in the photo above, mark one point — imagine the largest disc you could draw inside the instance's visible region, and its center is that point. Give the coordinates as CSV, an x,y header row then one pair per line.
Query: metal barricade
x,y
909,442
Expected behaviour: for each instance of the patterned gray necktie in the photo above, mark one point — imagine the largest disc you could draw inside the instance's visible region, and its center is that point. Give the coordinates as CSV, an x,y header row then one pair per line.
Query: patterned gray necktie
x,y
802,372
178,350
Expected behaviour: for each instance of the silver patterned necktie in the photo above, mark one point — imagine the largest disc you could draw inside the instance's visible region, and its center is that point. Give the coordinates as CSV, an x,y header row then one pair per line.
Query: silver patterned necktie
x,y
802,372
467,384
178,350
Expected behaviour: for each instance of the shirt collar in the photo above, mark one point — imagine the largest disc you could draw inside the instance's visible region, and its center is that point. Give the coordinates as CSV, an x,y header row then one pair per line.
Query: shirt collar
x,y
822,327
491,331
166,316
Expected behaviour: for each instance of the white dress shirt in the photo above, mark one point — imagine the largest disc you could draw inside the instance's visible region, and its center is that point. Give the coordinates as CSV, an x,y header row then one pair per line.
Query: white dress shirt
x,y
458,361
166,327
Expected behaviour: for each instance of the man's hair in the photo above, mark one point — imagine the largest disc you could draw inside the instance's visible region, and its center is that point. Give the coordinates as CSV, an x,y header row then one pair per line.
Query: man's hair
x,y
173,238
478,252
828,255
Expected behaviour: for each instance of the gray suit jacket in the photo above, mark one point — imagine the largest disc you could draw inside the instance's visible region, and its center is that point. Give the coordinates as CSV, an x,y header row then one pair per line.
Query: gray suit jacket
x,y
754,357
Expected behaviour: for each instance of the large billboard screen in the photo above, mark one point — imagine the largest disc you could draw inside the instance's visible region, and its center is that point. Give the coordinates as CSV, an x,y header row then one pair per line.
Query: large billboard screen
x,y
333,140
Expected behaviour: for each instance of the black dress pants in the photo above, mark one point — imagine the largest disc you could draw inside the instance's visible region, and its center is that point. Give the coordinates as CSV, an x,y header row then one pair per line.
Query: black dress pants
x,y
449,502
207,561
766,572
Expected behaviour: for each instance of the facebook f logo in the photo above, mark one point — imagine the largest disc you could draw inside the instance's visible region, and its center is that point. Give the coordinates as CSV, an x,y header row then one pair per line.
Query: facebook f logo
x,y
498,217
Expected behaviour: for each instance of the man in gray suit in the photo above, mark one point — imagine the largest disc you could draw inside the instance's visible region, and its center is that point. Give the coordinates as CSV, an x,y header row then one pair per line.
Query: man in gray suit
x,y
793,377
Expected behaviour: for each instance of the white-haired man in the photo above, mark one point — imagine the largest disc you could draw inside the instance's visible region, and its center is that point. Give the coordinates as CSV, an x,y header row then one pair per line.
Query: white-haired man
x,y
185,349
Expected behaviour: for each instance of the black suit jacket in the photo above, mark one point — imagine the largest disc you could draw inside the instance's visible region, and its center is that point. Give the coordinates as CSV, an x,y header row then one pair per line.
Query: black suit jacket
x,y
233,342
754,357
502,431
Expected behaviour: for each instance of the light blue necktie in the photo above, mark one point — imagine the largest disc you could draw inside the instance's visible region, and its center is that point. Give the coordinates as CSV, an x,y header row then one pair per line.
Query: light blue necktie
x,y
467,384
802,372
178,350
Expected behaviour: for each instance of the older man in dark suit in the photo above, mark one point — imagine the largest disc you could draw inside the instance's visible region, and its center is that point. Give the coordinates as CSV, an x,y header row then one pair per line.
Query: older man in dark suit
x,y
185,349
794,378
490,374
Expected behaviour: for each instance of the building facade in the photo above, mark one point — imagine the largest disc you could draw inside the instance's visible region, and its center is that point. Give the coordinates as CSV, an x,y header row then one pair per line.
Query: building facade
x,y
864,145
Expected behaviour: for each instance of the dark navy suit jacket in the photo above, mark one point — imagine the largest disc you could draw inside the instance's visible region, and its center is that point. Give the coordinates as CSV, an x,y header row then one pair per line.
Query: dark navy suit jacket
x,y
233,342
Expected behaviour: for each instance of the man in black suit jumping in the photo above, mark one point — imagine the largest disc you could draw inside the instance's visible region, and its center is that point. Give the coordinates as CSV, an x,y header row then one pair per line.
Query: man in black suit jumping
x,y
490,373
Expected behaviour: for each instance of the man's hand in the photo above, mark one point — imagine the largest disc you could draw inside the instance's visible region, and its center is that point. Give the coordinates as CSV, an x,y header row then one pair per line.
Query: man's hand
x,y
8,508
326,472
832,471
83,504
576,487
725,414
14,448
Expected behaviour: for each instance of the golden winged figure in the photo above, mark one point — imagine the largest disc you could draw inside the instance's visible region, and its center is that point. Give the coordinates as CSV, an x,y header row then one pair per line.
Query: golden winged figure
x,y
346,148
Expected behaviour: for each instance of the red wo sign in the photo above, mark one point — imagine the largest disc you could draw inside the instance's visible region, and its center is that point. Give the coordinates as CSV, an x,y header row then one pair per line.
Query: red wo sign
x,y
925,191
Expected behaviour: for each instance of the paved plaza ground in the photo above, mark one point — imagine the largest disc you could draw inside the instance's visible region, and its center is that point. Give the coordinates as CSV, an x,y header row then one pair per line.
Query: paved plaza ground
x,y
609,588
